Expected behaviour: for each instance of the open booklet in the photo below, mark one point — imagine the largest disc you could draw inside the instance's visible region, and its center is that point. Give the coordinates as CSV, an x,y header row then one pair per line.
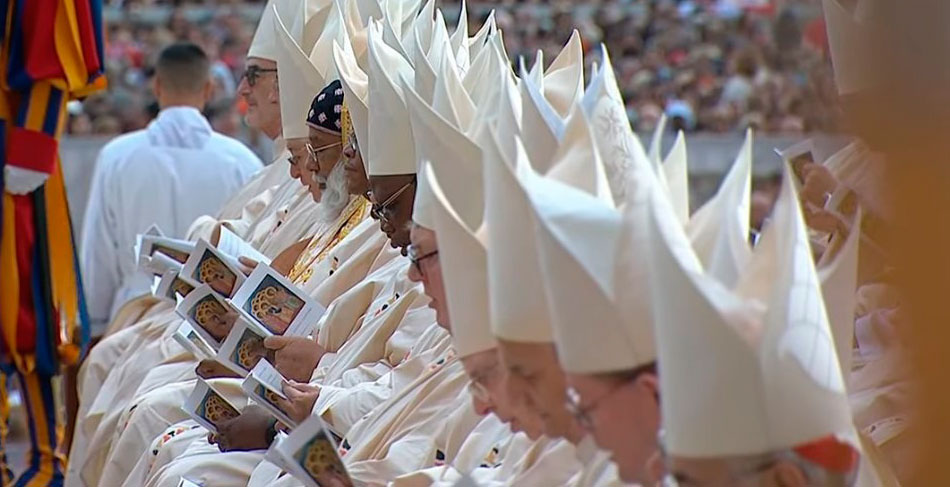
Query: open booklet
x,y
170,287
264,385
188,337
272,302
208,265
209,408
230,243
208,313
311,455
243,348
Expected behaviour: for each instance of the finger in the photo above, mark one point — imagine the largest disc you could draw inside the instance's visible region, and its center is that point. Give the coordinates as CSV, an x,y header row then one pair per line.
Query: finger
x,y
247,261
212,438
276,342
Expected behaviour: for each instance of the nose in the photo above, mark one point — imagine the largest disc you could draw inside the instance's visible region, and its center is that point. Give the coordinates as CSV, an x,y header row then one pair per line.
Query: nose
x,y
243,88
482,408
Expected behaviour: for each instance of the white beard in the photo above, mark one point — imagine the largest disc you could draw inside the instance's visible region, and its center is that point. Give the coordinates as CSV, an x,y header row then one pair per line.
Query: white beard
x,y
335,196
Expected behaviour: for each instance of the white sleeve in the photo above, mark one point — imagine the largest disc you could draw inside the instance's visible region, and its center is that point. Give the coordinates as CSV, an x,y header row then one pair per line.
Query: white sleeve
x,y
99,248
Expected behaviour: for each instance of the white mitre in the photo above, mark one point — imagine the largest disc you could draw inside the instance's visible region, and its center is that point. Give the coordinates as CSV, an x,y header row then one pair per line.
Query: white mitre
x,y
753,369
719,230
265,45
464,262
390,142
298,81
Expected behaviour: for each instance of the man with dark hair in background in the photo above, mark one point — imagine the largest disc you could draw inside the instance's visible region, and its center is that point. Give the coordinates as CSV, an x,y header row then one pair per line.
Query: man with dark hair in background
x,y
173,171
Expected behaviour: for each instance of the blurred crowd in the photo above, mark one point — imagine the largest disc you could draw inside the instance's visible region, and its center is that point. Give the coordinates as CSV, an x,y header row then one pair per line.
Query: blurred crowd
x,y
710,65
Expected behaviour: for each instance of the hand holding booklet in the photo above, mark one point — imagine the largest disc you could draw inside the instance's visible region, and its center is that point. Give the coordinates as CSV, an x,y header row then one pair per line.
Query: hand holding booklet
x,y
230,243
209,408
264,385
312,456
243,348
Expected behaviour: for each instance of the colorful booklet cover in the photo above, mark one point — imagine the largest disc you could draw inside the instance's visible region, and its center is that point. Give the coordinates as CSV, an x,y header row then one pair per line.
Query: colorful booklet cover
x,y
272,302
312,455
208,313
208,265
209,408
243,348
264,385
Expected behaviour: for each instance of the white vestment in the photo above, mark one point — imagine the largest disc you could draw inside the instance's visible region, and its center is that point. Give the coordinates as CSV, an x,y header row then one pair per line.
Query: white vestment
x,y
160,175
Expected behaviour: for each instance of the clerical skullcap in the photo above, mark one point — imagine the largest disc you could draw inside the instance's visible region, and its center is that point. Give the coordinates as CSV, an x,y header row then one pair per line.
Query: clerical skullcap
x,y
327,108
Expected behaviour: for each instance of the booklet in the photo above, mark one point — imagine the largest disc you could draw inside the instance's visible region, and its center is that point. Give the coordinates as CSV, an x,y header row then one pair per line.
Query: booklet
x,y
312,455
273,456
235,246
208,265
208,407
208,313
264,386
243,347
170,287
177,249
271,301
192,341
183,482
152,230
158,264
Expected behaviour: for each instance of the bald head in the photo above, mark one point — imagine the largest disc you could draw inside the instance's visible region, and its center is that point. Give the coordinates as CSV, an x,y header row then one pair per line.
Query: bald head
x,y
182,76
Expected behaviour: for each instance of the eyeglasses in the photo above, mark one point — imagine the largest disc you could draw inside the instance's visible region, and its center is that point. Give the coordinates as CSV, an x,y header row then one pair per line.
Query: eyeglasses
x,y
583,413
477,387
253,72
378,211
315,152
417,259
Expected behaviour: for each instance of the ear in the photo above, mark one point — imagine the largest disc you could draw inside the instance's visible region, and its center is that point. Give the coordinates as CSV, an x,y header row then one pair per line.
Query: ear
x,y
649,381
275,93
208,91
786,474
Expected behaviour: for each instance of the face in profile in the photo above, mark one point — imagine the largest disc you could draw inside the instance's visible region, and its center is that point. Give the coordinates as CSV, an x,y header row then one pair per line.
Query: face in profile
x,y
489,395
533,377
355,171
393,197
426,269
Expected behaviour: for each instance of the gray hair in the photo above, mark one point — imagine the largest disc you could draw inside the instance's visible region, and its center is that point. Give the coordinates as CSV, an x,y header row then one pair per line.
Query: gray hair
x,y
336,195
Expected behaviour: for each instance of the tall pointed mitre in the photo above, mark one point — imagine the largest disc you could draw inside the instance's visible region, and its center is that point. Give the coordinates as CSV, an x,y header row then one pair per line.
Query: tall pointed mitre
x,y
465,273
355,96
439,143
541,126
480,39
265,45
616,142
848,41
420,28
676,170
334,32
356,31
449,98
391,37
459,40
297,79
425,75
564,78
656,143
487,65
719,230
577,160
390,143
838,272
507,120
579,239
314,18
517,302
769,377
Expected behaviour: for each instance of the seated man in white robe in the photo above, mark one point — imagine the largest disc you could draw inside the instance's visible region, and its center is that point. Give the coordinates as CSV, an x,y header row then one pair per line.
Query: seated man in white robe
x,y
161,177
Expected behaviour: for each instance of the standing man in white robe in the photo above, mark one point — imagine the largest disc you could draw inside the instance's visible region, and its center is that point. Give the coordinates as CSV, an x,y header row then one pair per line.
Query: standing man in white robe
x,y
158,175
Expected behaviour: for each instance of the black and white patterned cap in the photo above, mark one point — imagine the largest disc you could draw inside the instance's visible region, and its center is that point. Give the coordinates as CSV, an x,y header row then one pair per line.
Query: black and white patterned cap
x,y
327,108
